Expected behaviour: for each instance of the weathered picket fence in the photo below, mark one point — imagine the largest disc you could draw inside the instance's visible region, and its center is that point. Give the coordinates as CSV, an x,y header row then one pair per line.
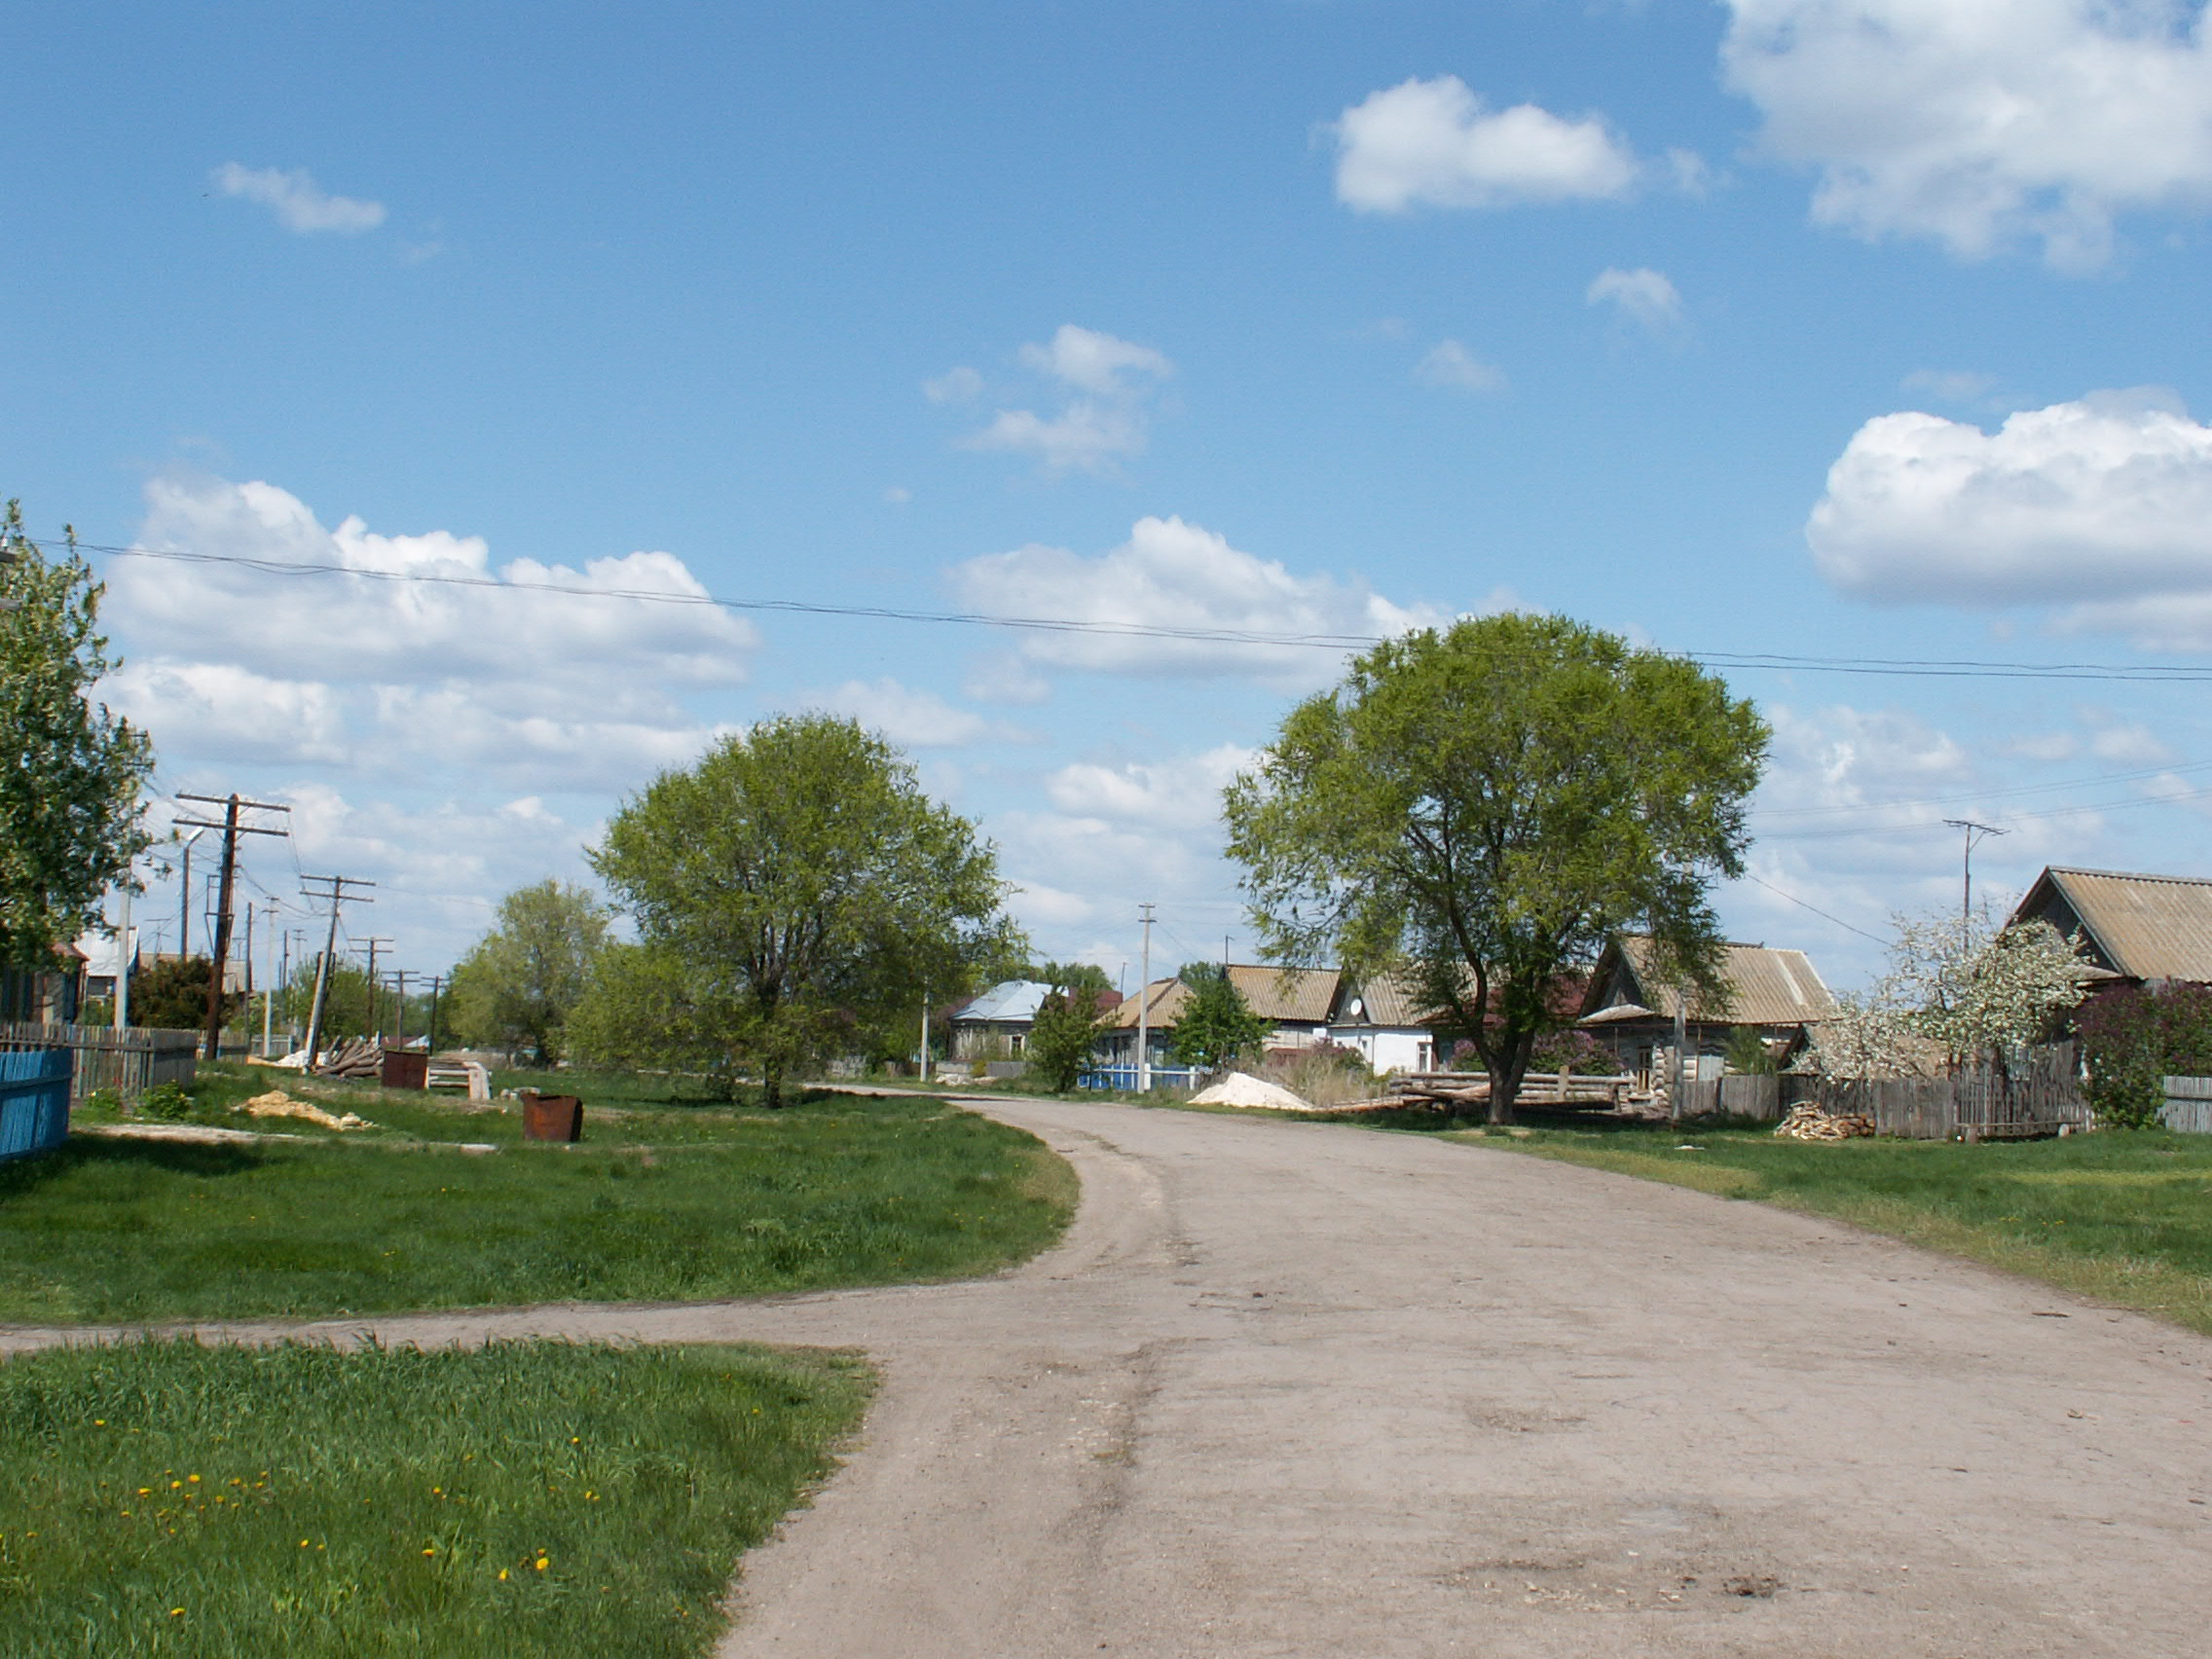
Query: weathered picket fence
x,y
2188,1105
128,1061
34,1101
2039,1096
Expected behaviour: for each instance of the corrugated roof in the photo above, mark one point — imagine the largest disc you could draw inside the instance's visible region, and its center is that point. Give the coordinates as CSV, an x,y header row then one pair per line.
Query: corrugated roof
x,y
1766,986
1389,998
1302,996
1012,1000
2149,927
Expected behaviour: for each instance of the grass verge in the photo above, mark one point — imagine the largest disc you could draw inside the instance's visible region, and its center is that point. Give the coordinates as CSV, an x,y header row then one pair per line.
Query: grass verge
x,y
2123,1216
685,1203
522,1500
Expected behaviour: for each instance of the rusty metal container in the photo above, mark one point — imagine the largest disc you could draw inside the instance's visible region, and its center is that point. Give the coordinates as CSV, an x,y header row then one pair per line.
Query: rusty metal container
x,y
552,1117
403,1068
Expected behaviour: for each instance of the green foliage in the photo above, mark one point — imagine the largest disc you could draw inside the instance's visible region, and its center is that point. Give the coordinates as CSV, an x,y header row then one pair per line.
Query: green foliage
x,y
1748,1055
2133,1038
799,884
1216,1025
1572,1050
1487,806
1061,1039
171,995
167,1101
520,1499
516,986
643,1006
1086,981
71,821
348,1009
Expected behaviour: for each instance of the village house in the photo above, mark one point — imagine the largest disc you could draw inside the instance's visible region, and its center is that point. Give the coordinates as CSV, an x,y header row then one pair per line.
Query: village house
x,y
996,1025
1632,1012
2136,929
1297,1002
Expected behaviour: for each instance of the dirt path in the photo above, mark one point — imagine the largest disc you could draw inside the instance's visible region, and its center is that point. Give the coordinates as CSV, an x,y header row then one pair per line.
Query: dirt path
x,y
1296,1389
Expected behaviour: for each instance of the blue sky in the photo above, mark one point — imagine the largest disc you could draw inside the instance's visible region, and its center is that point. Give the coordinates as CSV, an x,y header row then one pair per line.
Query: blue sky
x,y
1265,316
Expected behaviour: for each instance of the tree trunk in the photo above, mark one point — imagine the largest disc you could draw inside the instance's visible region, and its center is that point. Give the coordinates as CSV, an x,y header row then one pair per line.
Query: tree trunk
x,y
772,1084
1504,1092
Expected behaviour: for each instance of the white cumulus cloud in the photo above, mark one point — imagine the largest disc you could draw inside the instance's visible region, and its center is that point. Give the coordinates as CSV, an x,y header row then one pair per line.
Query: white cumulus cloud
x,y
1174,575
1435,143
2105,503
1450,364
1106,386
912,719
1983,123
1644,296
298,202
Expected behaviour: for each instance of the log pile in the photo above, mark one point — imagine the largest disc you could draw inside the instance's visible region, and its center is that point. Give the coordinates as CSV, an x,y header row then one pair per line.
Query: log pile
x,y
1808,1123
355,1057
1458,1092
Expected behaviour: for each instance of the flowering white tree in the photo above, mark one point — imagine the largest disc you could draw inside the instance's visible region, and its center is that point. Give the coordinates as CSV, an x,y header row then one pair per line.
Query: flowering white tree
x,y
1976,991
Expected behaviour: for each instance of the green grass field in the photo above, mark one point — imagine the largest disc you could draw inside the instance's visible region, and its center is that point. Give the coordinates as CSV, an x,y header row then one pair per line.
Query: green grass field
x,y
528,1499
2123,1216
666,1202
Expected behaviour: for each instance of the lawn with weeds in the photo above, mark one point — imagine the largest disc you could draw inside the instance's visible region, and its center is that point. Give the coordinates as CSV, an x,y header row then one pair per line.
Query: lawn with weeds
x,y
675,1203
530,1498
2121,1215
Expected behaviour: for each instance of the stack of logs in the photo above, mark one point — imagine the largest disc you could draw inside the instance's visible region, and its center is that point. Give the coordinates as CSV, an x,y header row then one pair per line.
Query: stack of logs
x,y
1806,1121
357,1057
1450,1091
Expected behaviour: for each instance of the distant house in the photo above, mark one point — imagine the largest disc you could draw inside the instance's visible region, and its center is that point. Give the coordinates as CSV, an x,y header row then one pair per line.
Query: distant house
x,y
1391,1023
1296,1003
1630,1011
995,1025
2138,929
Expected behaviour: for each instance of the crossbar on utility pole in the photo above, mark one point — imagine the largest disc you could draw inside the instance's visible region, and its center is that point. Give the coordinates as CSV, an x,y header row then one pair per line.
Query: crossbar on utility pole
x,y
337,895
231,829
1972,832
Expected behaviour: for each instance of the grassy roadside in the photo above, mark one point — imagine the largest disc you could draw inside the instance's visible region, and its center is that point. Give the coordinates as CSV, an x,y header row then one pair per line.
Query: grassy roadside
x,y
524,1499
2119,1216
669,1201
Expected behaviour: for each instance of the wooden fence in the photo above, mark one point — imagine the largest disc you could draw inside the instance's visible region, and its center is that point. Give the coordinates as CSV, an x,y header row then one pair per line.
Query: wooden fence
x,y
128,1061
2037,1099
2188,1105
34,1101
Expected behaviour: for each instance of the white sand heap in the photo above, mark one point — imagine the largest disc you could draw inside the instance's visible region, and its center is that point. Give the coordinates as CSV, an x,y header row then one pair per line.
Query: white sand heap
x,y
278,1104
1242,1089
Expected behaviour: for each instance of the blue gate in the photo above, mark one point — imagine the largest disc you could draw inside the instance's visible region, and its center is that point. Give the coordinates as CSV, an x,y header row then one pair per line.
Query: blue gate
x,y
34,1101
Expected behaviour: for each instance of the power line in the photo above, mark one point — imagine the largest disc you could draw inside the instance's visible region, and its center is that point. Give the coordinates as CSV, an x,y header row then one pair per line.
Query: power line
x,y
2157,673
1815,908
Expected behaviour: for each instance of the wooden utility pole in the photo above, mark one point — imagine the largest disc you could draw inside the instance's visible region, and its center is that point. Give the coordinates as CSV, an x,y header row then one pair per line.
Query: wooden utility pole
x,y
232,829
399,1013
336,894
376,991
431,1039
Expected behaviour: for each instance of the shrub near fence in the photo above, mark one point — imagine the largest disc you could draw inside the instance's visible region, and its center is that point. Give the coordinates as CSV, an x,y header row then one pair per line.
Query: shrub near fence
x,y
128,1061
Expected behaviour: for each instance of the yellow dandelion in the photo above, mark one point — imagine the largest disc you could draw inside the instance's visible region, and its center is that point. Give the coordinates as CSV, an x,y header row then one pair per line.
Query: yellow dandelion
x,y
502,1572
303,1543
176,1612
540,1564
431,1551
193,1478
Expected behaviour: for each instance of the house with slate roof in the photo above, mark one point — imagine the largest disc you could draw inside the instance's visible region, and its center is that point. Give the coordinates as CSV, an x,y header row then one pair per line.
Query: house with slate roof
x,y
1631,1011
1297,1002
2137,929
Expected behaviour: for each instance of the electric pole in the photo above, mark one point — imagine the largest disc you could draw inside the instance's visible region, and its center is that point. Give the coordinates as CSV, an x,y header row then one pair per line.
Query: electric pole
x,y
430,1040
1972,832
1144,1005
269,985
336,895
399,1013
376,992
232,829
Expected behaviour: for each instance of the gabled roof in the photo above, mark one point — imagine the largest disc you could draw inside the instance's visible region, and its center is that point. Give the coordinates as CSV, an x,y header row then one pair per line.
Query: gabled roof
x,y
1298,996
1766,986
2143,927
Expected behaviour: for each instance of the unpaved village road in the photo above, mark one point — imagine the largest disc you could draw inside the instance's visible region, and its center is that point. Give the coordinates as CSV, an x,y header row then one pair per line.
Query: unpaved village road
x,y
1298,1389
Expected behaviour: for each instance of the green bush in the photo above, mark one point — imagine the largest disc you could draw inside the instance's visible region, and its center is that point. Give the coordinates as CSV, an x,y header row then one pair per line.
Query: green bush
x,y
167,1101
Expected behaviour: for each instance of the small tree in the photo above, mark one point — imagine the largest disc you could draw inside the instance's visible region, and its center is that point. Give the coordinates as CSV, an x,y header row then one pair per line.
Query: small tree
x,y
1061,1037
171,995
516,985
69,770
1216,1024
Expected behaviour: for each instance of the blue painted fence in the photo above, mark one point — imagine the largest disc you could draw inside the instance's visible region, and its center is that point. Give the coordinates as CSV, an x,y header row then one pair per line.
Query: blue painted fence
x,y
1126,1078
34,1101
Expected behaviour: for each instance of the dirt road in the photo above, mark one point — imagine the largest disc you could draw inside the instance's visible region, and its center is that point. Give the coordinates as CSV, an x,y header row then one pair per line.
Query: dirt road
x,y
1297,1390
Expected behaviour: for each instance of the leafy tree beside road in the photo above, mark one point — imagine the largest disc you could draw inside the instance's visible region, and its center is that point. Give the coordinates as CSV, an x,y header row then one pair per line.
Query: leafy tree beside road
x,y
516,986
792,888
1486,806
69,770
1066,1027
1216,1024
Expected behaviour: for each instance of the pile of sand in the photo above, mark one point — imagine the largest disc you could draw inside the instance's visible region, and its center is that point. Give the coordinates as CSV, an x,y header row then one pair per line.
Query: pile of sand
x,y
278,1104
1242,1089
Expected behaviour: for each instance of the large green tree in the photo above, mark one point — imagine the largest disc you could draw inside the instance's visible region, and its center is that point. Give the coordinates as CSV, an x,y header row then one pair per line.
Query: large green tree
x,y
516,985
1486,805
799,887
70,820
1067,1026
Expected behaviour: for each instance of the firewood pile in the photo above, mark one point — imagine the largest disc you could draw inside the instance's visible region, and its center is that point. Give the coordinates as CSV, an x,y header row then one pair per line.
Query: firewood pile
x,y
1806,1121
355,1057
1448,1092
